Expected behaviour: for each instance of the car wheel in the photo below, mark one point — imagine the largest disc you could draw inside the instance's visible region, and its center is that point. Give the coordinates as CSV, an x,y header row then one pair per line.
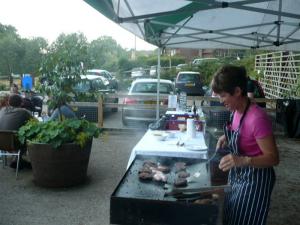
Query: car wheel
x,y
116,100
124,122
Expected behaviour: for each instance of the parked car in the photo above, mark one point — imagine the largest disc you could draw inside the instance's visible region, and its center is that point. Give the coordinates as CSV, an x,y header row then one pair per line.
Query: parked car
x,y
189,82
199,61
91,87
113,83
138,72
181,66
143,91
153,71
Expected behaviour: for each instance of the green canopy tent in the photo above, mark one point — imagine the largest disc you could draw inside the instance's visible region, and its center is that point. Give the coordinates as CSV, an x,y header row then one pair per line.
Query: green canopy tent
x,y
228,24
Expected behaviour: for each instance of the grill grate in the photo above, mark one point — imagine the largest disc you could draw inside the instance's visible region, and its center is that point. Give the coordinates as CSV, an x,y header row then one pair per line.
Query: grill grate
x,y
145,203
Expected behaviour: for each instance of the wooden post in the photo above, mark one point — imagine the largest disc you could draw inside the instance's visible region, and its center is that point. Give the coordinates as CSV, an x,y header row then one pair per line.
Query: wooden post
x,y
100,112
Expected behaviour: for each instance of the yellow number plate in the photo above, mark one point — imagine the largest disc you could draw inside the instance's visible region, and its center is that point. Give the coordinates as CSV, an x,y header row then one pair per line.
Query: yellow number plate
x,y
190,85
149,102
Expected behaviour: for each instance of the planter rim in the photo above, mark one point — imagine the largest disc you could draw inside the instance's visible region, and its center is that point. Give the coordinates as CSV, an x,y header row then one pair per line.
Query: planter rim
x,y
38,143
71,143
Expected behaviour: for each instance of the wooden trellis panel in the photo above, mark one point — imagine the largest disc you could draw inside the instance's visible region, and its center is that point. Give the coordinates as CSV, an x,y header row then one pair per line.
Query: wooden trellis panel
x,y
280,73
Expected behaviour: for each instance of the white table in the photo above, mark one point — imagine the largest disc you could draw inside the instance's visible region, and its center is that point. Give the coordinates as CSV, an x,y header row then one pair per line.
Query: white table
x,y
179,112
150,146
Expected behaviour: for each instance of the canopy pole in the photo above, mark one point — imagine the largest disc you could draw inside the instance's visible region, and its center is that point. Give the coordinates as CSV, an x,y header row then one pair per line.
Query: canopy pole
x,y
158,83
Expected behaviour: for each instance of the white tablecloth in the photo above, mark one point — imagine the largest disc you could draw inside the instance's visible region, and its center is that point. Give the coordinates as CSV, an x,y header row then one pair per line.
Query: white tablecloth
x,y
179,112
150,146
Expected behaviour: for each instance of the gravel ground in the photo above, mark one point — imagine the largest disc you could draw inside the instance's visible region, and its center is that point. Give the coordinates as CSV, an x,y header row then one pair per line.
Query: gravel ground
x,y
23,203
285,204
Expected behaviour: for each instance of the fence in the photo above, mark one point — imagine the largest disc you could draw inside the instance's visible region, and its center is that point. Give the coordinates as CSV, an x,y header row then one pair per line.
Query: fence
x,y
281,74
94,110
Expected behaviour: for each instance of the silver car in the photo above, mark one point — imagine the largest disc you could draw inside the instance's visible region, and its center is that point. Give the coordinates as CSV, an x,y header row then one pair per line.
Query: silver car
x,y
137,72
143,93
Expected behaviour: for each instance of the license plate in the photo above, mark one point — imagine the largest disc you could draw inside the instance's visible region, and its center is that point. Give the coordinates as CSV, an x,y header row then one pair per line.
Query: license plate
x,y
149,102
190,85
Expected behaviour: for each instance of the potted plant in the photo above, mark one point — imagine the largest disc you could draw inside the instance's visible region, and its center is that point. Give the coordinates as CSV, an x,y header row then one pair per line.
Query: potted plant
x,y
59,150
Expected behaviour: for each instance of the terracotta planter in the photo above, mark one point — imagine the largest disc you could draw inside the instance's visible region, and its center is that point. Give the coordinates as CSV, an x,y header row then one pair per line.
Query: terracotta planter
x,y
62,167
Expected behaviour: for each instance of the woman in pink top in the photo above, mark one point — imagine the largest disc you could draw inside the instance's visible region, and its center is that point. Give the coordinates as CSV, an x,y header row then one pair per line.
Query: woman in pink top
x,y
253,151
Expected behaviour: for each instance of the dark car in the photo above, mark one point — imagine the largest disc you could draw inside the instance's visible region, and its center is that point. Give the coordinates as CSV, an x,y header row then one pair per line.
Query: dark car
x,y
91,87
113,83
189,82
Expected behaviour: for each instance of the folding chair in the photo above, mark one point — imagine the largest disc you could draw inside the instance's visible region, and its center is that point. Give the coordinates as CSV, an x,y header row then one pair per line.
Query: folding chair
x,y
9,146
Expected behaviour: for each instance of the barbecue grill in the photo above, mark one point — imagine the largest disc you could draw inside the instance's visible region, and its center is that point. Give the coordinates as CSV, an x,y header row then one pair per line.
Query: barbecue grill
x,y
137,202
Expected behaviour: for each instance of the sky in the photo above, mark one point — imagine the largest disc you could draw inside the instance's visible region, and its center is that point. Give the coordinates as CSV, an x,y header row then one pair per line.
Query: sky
x,y
49,18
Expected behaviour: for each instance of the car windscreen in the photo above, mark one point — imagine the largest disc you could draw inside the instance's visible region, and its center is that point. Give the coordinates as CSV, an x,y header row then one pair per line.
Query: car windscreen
x,y
90,85
103,74
187,77
83,86
151,87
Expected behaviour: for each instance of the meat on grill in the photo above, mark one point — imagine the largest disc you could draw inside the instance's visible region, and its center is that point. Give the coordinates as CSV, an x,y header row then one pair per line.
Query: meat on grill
x,y
159,176
180,166
145,170
180,182
150,163
151,170
164,169
146,176
183,174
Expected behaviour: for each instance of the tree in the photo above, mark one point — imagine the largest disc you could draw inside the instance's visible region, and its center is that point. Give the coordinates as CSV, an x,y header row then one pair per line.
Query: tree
x,y
11,51
33,55
104,53
62,67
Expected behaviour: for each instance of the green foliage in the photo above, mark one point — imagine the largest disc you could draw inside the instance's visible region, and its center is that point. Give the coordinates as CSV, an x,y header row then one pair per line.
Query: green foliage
x,y
104,53
33,55
19,55
57,133
249,63
62,66
165,60
168,74
207,70
11,50
3,87
293,91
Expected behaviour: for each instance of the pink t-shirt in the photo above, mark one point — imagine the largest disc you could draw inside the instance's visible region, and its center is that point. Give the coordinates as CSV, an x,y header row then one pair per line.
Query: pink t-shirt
x,y
256,125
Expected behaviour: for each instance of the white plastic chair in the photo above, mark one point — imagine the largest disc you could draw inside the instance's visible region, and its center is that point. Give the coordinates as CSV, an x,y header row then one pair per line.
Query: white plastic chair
x,y
9,146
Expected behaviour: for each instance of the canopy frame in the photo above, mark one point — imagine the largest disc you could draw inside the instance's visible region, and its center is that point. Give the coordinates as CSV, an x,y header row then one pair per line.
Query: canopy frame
x,y
167,39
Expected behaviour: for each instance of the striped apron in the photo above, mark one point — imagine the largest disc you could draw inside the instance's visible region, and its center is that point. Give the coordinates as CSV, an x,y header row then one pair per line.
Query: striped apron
x,y
249,200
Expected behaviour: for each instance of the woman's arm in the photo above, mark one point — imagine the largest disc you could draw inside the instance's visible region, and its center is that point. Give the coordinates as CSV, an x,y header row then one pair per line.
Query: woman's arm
x,y
221,142
270,156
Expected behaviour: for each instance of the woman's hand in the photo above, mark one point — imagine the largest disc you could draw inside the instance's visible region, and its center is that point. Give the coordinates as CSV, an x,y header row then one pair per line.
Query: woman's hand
x,y
221,142
229,161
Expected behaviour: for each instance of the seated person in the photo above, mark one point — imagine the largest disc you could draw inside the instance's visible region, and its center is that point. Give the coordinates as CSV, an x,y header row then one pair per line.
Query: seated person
x,y
13,117
66,112
254,90
3,100
37,102
14,89
32,102
27,104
